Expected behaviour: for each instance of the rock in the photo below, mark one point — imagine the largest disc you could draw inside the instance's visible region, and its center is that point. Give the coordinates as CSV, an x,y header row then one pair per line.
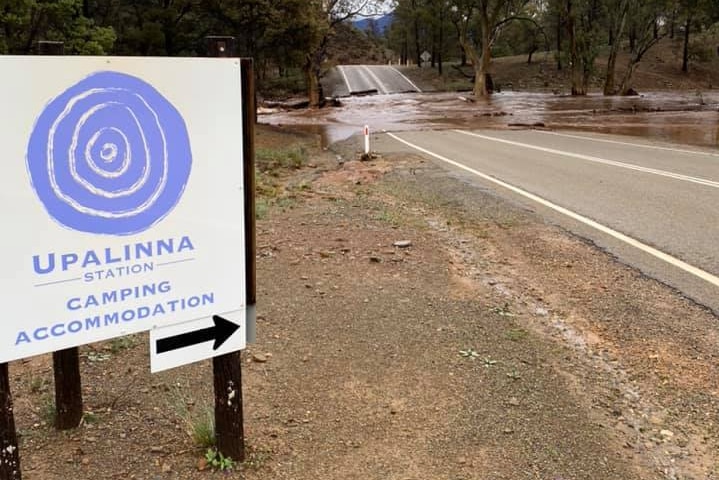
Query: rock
x,y
508,431
666,434
402,244
375,260
85,461
514,401
202,464
259,358
166,468
655,419
156,449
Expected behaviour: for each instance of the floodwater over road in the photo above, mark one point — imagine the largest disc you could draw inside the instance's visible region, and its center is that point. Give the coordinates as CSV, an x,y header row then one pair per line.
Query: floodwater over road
x,y
690,118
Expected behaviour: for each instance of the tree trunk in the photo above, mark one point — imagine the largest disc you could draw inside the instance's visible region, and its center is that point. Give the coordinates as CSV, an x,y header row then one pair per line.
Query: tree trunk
x,y
685,54
416,43
477,63
611,69
441,41
480,80
672,23
559,41
625,85
578,87
532,49
481,64
314,87
615,31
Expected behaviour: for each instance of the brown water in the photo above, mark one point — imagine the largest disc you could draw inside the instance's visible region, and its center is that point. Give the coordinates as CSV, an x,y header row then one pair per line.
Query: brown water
x,y
688,118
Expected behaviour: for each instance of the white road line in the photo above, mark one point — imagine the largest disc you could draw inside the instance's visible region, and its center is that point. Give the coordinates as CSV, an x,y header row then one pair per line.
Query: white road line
x,y
588,158
344,76
697,272
407,79
376,79
617,142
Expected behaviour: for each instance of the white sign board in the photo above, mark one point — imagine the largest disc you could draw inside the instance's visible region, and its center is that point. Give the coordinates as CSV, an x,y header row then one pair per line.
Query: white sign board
x,y
122,198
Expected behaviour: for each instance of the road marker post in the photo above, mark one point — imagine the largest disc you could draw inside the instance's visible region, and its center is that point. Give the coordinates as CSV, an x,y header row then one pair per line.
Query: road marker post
x,y
366,140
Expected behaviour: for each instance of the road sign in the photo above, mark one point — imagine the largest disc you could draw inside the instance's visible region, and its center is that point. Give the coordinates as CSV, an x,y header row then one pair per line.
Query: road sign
x,y
122,194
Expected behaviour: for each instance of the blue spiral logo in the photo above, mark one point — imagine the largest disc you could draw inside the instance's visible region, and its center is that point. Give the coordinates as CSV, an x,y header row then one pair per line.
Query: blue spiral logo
x,y
110,155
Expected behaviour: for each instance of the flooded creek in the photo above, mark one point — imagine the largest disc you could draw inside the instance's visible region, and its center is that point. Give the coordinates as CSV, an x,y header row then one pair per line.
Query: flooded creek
x,y
690,117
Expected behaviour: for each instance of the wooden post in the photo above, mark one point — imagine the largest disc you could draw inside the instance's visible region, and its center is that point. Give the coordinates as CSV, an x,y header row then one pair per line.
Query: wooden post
x,y
9,450
227,369
66,363
249,118
68,388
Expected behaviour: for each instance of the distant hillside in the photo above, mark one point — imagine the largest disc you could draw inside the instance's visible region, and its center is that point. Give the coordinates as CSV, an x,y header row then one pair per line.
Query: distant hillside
x,y
379,24
350,46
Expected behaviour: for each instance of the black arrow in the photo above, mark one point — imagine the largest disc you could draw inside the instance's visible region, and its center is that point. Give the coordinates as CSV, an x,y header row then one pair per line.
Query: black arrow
x,y
222,330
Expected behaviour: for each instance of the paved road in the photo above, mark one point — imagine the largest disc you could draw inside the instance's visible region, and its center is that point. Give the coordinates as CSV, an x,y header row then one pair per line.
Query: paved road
x,y
654,207
366,79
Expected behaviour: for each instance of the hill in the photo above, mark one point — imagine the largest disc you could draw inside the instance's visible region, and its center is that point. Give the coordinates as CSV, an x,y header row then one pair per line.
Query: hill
x,y
378,25
351,46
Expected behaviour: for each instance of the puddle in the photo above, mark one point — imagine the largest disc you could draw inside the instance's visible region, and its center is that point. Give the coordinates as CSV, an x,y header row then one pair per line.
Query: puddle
x,y
690,118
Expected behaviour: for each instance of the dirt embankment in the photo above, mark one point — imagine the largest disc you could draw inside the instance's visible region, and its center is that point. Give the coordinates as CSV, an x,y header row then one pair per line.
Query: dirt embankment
x,y
413,326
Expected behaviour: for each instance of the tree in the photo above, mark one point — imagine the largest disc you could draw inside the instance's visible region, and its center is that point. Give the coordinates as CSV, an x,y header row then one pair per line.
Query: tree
x,y
583,35
488,16
696,13
324,16
618,10
24,22
646,14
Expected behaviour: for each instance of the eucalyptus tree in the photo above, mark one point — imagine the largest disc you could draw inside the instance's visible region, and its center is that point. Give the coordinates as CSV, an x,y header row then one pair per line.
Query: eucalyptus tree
x,y
487,18
649,27
618,10
695,14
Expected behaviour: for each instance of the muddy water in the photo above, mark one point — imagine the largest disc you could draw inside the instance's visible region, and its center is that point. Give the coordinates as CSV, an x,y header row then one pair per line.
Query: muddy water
x,y
690,118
